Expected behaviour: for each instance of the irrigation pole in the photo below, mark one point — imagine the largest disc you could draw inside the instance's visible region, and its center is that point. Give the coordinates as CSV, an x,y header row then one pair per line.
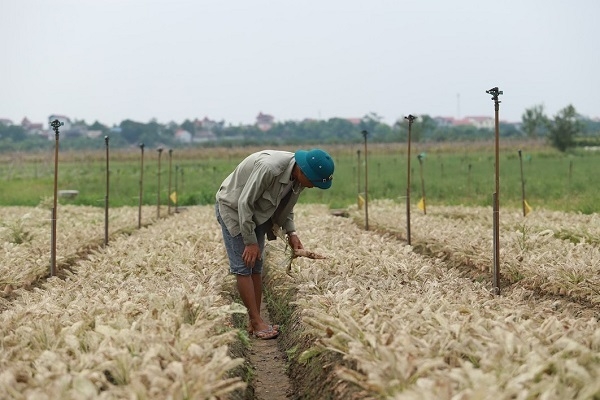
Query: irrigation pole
x,y
522,186
181,190
169,192
420,157
106,196
160,150
496,196
176,192
358,169
365,133
410,120
55,125
141,187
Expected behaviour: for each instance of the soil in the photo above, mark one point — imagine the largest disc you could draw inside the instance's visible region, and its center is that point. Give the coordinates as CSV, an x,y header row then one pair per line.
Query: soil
x,y
269,363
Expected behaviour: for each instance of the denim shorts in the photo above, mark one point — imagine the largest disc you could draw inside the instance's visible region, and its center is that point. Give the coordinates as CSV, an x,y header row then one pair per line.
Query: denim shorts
x,y
235,248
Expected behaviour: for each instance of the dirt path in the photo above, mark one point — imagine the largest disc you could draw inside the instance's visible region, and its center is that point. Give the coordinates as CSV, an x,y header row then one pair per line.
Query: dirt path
x,y
270,380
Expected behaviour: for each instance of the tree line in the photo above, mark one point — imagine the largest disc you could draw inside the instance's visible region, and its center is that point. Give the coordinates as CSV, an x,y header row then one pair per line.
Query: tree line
x,y
564,131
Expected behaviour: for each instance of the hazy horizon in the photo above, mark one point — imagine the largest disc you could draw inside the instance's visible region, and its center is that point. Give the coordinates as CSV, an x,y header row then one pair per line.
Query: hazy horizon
x,y
114,60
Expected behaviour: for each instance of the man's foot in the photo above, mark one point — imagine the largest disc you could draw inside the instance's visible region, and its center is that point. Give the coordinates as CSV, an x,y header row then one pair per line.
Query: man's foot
x,y
250,329
268,333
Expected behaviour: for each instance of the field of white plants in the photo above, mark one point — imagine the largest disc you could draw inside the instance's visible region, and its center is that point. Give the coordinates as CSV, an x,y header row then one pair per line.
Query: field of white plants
x,y
558,253
149,316
25,235
141,318
411,327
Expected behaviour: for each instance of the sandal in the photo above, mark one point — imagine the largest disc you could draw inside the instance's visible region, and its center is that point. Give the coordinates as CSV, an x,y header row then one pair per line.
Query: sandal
x,y
269,333
250,329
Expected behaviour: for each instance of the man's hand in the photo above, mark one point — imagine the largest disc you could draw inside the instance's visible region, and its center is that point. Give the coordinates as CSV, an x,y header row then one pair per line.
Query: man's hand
x,y
251,254
295,242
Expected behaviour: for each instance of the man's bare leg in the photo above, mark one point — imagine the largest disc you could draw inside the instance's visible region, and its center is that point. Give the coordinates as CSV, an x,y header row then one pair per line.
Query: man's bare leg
x,y
248,292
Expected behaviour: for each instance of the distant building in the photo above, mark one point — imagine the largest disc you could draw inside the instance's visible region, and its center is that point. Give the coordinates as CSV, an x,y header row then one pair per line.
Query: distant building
x,y
476,121
444,121
264,122
32,128
6,121
93,134
481,122
354,121
205,130
183,136
205,124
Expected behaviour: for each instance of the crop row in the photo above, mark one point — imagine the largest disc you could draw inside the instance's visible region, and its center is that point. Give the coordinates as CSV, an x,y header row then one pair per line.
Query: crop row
x,y
141,318
558,253
409,327
26,232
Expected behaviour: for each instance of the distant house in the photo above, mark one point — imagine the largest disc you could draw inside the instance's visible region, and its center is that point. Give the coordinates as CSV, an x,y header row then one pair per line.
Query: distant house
x,y
354,121
481,122
6,121
183,136
205,130
205,124
32,128
61,118
264,122
444,121
476,121
93,134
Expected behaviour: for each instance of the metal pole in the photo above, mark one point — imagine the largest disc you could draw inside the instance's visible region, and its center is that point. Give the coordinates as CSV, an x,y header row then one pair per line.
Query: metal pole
x,y
420,157
522,186
181,190
570,172
169,192
365,133
55,125
496,197
141,187
106,196
160,150
469,191
176,192
358,169
410,119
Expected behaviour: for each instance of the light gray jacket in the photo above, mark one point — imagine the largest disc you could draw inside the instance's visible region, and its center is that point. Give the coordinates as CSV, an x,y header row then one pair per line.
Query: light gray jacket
x,y
252,194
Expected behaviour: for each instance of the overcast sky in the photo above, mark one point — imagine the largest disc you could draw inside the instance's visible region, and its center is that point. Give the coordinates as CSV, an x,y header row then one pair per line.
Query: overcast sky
x,y
111,60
